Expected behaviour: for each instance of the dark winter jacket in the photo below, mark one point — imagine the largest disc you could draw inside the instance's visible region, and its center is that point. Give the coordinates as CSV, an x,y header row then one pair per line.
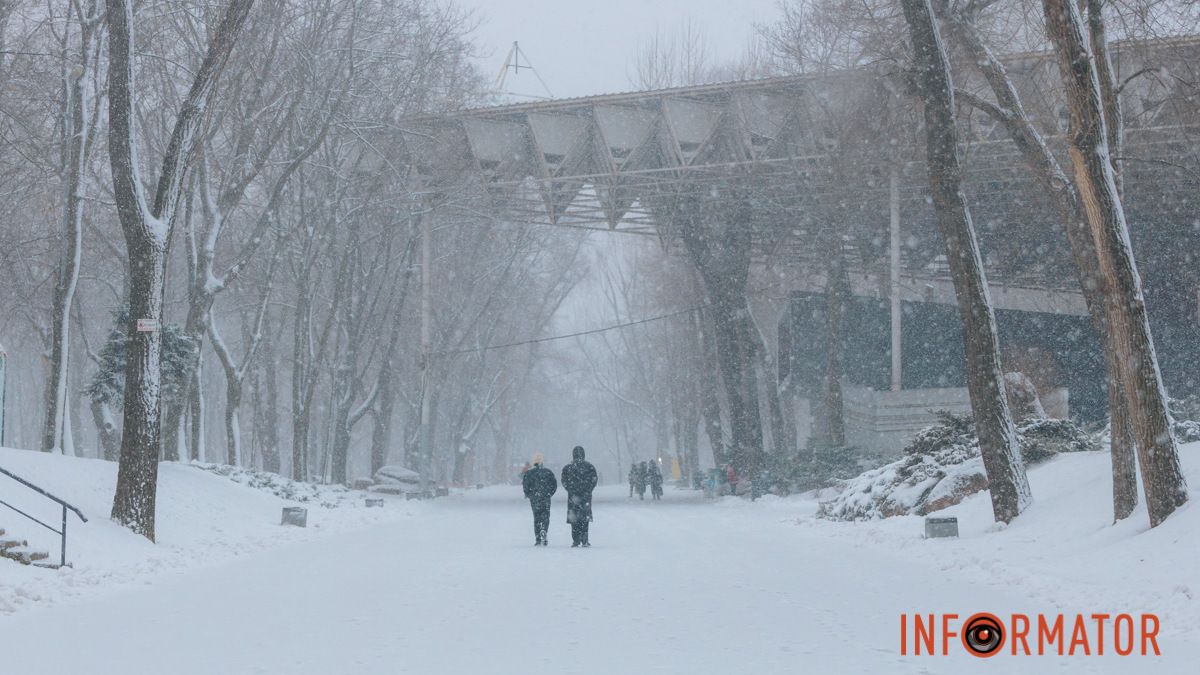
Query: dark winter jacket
x,y
540,485
656,477
641,477
579,477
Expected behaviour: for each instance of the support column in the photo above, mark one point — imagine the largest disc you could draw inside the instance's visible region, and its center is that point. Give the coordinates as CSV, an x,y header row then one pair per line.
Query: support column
x,y
767,310
894,270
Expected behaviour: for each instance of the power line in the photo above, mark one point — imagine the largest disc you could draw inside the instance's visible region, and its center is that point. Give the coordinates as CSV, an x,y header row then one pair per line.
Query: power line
x,y
570,335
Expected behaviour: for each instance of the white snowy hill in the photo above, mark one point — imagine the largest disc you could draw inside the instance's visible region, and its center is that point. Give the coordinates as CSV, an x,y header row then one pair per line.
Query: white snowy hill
x,y
203,519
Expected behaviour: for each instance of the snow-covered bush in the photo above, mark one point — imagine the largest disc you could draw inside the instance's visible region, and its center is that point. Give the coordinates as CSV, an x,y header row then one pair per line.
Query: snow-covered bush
x,y
327,496
1186,412
942,466
108,385
1041,439
824,466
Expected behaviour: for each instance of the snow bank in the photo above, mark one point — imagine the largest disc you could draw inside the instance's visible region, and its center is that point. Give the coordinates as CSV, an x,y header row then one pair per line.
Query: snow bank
x,y
203,519
1063,550
941,466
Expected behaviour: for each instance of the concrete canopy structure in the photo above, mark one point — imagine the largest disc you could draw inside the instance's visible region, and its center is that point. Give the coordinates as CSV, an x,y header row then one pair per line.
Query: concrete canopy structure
x,y
835,157
811,151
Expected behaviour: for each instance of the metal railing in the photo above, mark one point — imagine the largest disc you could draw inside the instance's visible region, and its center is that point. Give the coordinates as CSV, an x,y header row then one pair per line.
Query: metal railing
x,y
65,507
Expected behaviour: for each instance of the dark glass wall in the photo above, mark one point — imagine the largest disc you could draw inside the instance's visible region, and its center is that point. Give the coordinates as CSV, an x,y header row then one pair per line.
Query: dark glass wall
x,y
933,347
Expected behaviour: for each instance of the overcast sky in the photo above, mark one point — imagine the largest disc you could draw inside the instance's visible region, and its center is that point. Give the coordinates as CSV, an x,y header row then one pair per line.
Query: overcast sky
x,y
583,47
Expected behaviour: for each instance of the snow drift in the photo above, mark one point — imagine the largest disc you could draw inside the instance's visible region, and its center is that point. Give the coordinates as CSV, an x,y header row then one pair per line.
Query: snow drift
x,y
941,466
204,518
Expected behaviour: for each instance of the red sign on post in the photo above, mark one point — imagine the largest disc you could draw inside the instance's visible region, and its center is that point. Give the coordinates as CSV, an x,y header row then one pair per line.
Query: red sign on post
x,y
147,325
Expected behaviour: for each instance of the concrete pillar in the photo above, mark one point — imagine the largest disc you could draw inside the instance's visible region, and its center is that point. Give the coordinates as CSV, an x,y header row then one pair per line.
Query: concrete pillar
x,y
767,308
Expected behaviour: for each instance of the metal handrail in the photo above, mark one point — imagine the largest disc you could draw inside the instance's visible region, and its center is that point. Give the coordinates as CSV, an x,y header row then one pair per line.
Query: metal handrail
x,y
65,507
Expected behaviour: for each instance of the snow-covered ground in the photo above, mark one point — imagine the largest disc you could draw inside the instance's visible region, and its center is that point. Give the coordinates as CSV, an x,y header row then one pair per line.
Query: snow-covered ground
x,y
681,586
203,519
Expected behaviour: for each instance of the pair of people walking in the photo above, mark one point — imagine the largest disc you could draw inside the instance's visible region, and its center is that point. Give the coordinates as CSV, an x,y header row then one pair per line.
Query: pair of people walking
x,y
579,479
643,475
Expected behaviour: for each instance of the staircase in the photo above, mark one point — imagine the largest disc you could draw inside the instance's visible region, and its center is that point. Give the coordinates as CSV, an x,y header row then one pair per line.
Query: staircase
x,y
17,549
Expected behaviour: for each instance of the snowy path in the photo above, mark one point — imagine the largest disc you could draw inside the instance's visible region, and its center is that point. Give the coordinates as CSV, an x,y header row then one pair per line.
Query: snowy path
x,y
679,586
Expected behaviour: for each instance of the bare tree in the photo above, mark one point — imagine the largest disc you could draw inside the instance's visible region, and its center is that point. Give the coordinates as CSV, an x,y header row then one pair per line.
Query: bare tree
x,y
1137,363
147,228
1044,166
1005,470
78,123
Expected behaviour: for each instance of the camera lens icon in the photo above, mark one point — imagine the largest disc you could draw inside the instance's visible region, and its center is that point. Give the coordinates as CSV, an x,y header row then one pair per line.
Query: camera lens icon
x,y
983,635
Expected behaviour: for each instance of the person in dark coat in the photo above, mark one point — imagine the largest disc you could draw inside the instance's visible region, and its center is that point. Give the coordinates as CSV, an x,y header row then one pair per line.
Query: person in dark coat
x,y
656,481
633,470
579,478
540,485
643,474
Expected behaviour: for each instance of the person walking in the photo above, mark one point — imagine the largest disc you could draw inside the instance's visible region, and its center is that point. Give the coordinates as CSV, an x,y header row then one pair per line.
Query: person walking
x,y
656,481
579,479
539,485
643,474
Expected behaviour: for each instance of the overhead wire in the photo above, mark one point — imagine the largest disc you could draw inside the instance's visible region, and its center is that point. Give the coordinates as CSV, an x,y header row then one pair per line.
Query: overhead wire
x,y
568,336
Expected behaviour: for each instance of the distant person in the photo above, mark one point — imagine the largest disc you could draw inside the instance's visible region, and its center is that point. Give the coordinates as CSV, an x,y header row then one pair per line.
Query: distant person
x,y
731,478
540,485
579,478
632,478
656,481
642,477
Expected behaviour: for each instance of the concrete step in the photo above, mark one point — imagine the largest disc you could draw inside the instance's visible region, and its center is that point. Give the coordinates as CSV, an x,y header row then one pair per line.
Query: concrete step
x,y
24,555
6,544
17,550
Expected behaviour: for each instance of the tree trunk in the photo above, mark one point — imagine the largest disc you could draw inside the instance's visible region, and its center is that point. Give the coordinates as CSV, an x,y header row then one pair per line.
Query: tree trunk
x,y
1114,117
736,367
146,226
233,430
76,127
381,435
721,256
198,439
1049,173
710,404
1122,451
767,374
200,304
1141,383
270,426
303,372
1121,442
106,431
1002,462
340,451
137,476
